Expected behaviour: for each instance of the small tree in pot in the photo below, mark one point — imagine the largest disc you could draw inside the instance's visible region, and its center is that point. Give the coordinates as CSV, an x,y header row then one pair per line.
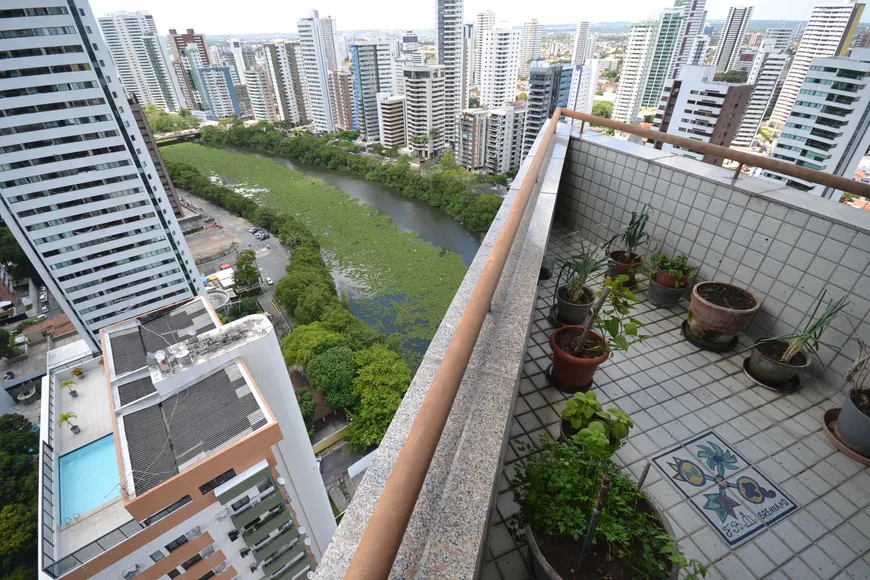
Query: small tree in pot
x,y
774,361
78,373
578,351
68,385
67,418
853,423
628,261
669,279
574,298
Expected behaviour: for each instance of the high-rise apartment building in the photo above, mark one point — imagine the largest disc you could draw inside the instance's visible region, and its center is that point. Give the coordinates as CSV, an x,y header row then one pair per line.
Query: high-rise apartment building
x,y
315,68
781,36
667,42
425,108
591,45
484,21
283,61
471,142
144,67
391,120
829,32
581,37
696,107
632,77
530,45
240,57
398,76
504,137
549,86
731,38
467,60
764,75
694,18
828,128
372,74
201,463
329,35
186,73
410,41
220,100
341,97
80,193
698,52
754,39
862,38
745,58
449,44
499,68
584,82
156,158
262,95
191,60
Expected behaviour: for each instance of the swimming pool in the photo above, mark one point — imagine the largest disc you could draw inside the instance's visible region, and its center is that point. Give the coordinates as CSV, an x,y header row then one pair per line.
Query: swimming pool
x,y
88,478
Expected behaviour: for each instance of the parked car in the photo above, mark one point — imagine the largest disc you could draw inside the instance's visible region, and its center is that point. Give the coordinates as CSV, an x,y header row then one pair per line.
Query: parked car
x,y
264,237
44,308
269,281
252,230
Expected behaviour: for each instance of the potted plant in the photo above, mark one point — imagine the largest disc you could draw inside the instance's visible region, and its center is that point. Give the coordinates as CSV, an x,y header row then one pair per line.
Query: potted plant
x,y
578,351
669,279
574,298
559,489
718,312
68,384
628,261
67,417
853,423
78,373
774,361
585,422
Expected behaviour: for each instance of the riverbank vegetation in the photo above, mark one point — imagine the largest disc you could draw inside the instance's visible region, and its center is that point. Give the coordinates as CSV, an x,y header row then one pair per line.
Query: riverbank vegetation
x,y
447,186
18,501
163,122
347,357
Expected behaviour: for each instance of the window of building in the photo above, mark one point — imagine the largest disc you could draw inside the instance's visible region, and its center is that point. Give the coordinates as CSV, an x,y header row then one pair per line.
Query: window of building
x,y
210,485
241,503
190,563
173,573
176,543
207,575
157,556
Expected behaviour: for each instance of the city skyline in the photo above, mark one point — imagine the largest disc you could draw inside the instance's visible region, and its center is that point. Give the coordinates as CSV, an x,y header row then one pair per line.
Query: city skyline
x,y
394,15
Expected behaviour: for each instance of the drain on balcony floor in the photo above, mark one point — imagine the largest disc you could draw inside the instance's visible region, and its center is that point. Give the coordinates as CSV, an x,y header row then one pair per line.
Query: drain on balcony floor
x,y
734,497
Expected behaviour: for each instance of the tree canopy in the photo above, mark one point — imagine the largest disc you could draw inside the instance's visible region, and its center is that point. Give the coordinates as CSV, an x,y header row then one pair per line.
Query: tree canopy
x,y
245,272
13,258
307,407
163,122
731,76
602,109
18,497
332,374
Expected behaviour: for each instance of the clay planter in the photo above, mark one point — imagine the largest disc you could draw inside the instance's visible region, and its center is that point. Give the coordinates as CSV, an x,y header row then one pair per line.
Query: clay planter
x,y
716,325
853,426
572,374
620,265
664,296
571,312
669,280
765,366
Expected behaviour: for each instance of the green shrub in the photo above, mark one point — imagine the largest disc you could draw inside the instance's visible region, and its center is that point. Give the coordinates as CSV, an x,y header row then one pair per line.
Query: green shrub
x,y
307,407
332,374
299,346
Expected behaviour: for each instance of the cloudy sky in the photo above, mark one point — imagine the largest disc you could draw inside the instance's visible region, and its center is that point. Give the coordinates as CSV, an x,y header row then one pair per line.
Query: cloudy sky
x,y
226,16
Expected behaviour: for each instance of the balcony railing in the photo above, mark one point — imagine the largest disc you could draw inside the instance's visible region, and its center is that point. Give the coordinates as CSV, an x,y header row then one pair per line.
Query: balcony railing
x,y
405,459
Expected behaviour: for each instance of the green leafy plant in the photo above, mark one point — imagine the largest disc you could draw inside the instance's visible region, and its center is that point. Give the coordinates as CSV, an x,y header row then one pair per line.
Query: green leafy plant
x,y
614,321
810,337
633,236
67,383
66,417
857,376
591,261
678,267
77,372
596,428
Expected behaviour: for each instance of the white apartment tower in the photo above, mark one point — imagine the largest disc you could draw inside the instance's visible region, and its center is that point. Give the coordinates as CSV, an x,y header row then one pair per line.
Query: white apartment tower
x,y
530,45
828,128
584,81
372,74
329,31
342,99
731,38
468,60
781,36
178,44
694,17
635,64
829,32
499,68
283,60
425,109
484,21
764,75
262,95
80,193
237,58
144,66
581,38
314,69
665,49
449,43
391,120
700,44
504,137
471,142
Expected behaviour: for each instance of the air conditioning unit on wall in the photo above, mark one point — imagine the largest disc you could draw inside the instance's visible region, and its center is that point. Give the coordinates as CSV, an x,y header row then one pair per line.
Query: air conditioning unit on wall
x,y
131,572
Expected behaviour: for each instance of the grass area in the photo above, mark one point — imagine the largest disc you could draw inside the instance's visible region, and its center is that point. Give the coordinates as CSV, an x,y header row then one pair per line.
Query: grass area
x,y
408,281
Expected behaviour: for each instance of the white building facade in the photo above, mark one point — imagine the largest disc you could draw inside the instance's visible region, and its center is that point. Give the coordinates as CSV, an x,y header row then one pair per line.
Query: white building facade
x,y
499,68
315,68
449,45
766,70
372,74
584,82
471,145
530,45
284,63
483,21
581,37
262,95
504,137
731,38
425,109
391,120
666,46
632,77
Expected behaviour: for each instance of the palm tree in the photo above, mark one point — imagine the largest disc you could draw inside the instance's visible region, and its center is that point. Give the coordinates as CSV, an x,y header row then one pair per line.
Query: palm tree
x,y
68,384
67,417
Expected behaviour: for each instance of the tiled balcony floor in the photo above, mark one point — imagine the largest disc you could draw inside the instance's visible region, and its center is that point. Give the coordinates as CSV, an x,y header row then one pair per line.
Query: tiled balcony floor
x,y
676,393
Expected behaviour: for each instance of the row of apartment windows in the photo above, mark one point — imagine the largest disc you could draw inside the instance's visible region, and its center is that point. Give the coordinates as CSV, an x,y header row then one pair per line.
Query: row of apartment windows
x,y
40,51
44,70
40,11
48,107
123,274
63,235
54,124
46,31
97,242
104,253
120,287
61,157
57,141
120,262
166,296
64,173
44,89
86,215
129,297
73,187
75,202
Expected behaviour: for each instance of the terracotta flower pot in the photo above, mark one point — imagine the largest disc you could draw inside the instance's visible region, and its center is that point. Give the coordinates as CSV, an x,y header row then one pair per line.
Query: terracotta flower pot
x,y
573,312
669,280
574,374
766,366
619,265
726,311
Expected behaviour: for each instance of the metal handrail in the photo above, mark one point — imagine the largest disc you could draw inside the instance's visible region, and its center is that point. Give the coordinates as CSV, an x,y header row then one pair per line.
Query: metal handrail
x,y
380,542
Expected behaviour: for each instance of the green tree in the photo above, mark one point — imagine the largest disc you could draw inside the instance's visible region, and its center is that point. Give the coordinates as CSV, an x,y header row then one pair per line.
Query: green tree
x,y
13,258
611,75
6,348
245,273
307,407
473,102
332,374
301,344
448,162
523,96
602,109
312,303
731,76
17,434
163,122
18,530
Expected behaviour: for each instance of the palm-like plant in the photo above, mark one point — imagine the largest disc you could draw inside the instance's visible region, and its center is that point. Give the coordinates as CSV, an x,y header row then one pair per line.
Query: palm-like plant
x,y
67,418
810,337
69,384
590,262
633,235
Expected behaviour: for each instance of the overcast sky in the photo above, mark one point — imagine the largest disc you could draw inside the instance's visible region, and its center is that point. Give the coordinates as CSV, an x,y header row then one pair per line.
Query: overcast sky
x,y
263,16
